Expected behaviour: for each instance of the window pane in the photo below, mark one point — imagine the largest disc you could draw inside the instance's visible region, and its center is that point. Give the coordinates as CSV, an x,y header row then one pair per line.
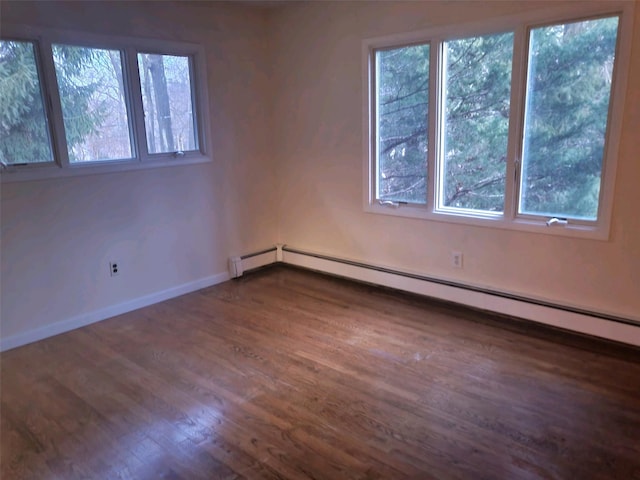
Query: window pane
x,y
93,103
477,84
24,133
402,102
166,98
568,90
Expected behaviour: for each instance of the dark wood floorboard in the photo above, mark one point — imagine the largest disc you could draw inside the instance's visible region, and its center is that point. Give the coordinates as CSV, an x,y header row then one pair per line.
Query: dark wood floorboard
x,y
289,374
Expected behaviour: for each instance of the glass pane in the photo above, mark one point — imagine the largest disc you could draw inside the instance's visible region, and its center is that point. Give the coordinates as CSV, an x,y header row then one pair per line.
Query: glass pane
x,y
568,90
24,132
402,103
93,103
477,83
166,99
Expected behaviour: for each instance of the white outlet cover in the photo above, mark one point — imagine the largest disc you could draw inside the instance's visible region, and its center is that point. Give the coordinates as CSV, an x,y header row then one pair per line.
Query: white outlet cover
x,y
114,269
456,259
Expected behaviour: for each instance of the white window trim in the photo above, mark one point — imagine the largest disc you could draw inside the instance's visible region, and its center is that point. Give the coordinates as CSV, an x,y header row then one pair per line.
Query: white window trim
x,y
130,46
520,25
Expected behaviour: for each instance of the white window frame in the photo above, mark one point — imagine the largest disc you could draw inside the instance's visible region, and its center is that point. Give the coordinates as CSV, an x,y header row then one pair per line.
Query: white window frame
x,y
520,25
44,38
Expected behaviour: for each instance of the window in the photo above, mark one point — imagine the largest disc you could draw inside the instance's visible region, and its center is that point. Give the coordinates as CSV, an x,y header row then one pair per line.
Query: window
x,y
24,129
476,76
513,126
92,97
565,123
166,98
402,105
87,104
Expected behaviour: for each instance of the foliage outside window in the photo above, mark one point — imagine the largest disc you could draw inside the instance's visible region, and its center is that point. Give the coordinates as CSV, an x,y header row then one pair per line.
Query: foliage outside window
x,y
24,130
92,97
64,104
477,88
402,105
569,88
166,97
512,144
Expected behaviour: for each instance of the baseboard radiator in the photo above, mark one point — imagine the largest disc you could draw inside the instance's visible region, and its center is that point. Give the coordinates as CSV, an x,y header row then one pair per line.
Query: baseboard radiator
x,y
253,261
611,327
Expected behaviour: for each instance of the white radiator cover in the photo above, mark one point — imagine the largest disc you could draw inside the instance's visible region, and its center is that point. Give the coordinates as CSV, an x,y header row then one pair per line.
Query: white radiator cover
x,y
624,330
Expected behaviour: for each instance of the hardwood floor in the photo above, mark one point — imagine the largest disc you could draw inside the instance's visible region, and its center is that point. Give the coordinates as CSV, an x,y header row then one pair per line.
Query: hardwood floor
x,y
290,374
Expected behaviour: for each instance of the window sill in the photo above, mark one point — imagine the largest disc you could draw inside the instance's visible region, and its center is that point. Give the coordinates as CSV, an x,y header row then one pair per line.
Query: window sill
x,y
51,171
539,226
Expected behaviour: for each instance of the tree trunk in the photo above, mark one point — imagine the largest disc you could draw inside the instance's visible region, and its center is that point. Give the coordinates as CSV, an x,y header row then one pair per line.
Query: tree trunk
x,y
151,131
163,111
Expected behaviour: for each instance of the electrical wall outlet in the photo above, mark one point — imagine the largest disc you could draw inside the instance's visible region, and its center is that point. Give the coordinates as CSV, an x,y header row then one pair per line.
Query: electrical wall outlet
x,y
456,259
114,268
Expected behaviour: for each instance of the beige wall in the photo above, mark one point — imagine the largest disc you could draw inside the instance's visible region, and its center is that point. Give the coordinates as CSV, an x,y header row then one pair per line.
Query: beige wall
x,y
285,100
168,226
318,150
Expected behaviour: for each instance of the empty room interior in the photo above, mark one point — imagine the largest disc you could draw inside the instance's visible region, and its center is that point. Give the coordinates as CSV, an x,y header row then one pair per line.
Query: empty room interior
x,y
320,239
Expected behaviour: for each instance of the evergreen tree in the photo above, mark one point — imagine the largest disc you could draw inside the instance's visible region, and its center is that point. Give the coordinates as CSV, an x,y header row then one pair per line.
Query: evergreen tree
x,y
24,134
569,88
570,73
403,96
478,86
23,131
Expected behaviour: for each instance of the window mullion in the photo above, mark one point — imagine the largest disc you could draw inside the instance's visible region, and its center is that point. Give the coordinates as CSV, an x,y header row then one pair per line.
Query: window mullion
x,y
196,119
374,127
132,81
128,75
516,122
53,105
434,129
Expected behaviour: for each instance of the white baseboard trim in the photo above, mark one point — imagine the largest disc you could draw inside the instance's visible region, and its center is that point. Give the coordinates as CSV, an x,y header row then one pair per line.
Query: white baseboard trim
x,y
621,330
88,318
